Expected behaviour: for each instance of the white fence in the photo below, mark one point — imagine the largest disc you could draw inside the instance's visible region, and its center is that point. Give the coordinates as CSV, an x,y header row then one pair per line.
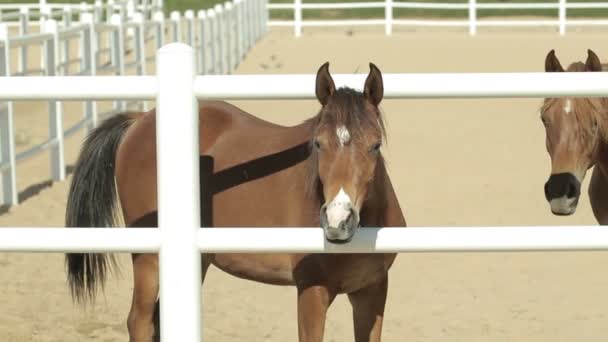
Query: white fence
x,y
221,36
180,240
472,7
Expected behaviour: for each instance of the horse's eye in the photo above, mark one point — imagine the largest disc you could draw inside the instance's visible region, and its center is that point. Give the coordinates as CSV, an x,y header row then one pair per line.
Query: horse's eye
x,y
317,144
376,147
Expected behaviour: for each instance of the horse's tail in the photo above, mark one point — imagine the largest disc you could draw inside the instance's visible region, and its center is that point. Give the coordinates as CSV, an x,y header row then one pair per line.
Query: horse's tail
x,y
92,203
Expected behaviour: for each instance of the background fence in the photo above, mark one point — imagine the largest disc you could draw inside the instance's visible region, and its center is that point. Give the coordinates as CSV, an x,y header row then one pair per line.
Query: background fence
x,y
561,22
105,34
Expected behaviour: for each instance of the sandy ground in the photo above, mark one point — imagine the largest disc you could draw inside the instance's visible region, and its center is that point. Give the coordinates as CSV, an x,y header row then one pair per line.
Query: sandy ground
x,y
453,162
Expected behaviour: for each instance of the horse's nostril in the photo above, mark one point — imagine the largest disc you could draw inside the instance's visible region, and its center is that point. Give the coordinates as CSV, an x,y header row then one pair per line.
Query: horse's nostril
x,y
323,216
572,190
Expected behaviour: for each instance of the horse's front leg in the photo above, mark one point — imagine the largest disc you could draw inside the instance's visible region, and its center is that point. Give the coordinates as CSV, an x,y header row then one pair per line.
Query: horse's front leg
x,y
313,302
141,322
368,311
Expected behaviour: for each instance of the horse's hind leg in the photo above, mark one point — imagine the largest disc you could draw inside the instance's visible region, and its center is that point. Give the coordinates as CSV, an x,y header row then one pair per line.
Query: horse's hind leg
x,y
368,311
141,320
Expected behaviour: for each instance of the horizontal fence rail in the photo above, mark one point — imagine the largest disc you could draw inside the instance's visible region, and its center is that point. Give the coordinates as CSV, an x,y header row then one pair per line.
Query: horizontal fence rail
x,y
451,85
312,240
71,87
297,86
472,22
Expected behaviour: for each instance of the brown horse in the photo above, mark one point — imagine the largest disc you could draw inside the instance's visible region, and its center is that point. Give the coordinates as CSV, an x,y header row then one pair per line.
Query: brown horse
x,y
576,139
327,171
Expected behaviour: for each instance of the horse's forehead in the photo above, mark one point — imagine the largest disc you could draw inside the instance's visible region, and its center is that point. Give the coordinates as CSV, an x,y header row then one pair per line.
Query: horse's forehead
x,y
569,105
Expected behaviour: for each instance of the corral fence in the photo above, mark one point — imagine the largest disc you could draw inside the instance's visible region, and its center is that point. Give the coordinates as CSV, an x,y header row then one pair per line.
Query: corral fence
x,y
105,33
472,7
175,87
180,240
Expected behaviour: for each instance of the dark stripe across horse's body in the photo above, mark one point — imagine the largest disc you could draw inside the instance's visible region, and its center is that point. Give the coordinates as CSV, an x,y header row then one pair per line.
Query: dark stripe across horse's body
x,y
326,172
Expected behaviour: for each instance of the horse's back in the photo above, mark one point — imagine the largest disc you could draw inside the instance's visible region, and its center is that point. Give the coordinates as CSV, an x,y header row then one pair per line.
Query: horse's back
x,y
242,157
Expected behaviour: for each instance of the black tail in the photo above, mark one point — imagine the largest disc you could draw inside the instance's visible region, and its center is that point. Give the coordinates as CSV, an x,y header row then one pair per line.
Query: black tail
x,y
92,202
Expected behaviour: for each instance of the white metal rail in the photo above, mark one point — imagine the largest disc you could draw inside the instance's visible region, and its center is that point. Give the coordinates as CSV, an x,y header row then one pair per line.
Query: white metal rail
x,y
311,240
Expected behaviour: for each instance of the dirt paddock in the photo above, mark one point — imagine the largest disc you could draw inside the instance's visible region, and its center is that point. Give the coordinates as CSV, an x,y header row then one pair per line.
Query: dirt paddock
x,y
453,162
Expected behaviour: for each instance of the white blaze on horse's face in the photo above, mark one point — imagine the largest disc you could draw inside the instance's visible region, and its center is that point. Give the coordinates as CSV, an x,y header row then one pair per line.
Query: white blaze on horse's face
x,y
343,135
339,209
568,106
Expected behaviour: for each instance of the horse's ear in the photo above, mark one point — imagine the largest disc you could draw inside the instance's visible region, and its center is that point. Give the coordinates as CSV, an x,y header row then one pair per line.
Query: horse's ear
x,y
374,88
593,62
325,84
552,63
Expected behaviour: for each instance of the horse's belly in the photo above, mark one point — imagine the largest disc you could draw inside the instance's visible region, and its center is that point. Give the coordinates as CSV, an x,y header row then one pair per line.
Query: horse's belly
x,y
274,269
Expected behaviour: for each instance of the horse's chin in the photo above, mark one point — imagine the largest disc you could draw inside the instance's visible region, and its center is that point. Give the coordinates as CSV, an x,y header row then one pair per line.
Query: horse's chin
x,y
563,206
339,241
343,236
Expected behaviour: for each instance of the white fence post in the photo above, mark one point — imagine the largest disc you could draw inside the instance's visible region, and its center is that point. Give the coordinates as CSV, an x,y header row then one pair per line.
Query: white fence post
x,y
98,10
90,64
266,15
562,17
297,17
213,60
118,56
202,48
24,19
176,26
388,17
140,49
82,18
257,19
139,44
45,14
221,42
178,196
159,18
7,138
109,10
228,34
240,46
55,107
472,17
248,36
189,15
130,10
67,22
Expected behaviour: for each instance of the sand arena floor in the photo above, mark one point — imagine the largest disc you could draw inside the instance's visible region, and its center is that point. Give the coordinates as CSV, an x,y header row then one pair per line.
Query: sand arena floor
x,y
453,162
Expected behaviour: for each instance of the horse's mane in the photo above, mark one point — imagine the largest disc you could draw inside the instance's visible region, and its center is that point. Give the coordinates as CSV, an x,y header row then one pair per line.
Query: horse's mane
x,y
346,107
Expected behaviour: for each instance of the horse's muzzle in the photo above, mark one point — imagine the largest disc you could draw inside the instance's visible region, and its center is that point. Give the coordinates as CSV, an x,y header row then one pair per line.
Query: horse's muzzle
x,y
562,191
342,231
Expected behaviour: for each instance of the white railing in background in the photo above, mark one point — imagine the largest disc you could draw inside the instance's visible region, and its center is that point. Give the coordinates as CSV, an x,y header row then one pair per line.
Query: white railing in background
x,y
472,7
229,29
179,240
